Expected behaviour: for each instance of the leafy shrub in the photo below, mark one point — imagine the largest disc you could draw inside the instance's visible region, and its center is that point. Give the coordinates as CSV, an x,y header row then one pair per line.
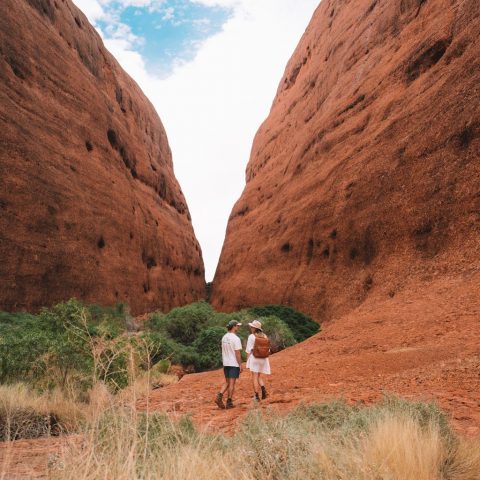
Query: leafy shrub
x,y
300,324
278,332
163,366
69,347
188,357
183,324
60,345
208,346
157,323
191,335
162,347
174,352
22,342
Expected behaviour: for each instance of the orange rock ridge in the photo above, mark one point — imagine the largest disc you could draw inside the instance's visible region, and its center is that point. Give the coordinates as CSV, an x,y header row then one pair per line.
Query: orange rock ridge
x,y
89,203
363,180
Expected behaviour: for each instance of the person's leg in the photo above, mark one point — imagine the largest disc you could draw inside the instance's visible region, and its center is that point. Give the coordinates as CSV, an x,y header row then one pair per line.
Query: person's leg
x,y
219,398
231,390
224,386
231,387
263,387
253,381
256,385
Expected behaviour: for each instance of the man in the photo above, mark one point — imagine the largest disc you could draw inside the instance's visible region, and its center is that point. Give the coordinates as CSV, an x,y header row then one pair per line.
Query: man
x,y
232,363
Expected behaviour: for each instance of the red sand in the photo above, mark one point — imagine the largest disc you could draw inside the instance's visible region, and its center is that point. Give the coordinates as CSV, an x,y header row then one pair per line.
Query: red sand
x,y
421,344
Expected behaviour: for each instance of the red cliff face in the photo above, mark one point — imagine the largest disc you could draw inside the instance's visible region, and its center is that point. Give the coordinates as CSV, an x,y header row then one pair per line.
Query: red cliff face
x,y
89,204
364,179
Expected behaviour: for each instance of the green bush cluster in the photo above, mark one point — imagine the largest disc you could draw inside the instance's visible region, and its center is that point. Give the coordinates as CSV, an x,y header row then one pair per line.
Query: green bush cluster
x,y
69,342
300,324
191,335
74,342
278,332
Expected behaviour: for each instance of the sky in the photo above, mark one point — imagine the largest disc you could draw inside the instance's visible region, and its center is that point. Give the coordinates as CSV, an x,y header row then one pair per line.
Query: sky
x,y
211,68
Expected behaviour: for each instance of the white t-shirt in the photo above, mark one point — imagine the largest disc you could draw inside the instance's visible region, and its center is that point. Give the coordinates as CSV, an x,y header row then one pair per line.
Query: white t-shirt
x,y
230,343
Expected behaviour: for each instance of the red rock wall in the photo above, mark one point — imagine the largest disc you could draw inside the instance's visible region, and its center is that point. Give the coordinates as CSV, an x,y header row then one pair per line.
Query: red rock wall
x,y
90,207
364,179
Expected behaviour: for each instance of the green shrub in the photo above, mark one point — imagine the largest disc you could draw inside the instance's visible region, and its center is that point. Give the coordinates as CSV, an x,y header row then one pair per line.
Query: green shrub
x,y
300,324
163,366
221,319
69,346
278,332
184,324
208,346
116,313
157,323
189,357
185,355
162,348
63,344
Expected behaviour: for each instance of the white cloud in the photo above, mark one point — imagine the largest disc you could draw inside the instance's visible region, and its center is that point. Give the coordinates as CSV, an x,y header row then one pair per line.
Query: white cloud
x,y
120,31
152,4
168,14
212,106
92,9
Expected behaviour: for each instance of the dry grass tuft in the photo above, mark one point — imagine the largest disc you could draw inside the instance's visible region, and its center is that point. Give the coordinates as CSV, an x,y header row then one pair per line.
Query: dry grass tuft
x,y
25,414
398,447
396,440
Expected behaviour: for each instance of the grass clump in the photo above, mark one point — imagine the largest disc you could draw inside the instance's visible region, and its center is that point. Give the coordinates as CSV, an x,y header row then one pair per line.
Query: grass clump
x,y
26,414
392,440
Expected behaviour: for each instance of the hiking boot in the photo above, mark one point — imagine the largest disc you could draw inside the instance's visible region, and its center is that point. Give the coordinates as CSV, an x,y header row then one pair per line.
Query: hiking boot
x,y
256,398
229,403
264,393
219,401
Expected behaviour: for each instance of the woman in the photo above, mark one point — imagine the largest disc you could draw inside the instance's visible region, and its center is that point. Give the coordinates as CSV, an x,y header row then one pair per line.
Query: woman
x,y
257,365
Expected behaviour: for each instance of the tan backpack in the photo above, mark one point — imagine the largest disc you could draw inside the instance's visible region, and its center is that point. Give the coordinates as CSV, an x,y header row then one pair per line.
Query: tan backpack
x,y
261,348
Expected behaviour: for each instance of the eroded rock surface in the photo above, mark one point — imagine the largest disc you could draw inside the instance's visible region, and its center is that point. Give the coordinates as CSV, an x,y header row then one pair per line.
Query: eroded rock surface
x,y
364,179
90,207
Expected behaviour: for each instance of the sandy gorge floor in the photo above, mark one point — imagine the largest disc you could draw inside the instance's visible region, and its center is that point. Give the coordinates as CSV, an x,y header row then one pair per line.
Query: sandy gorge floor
x,y
421,344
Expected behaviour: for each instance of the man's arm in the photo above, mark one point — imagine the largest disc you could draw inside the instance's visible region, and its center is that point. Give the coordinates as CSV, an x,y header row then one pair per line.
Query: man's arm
x,y
239,358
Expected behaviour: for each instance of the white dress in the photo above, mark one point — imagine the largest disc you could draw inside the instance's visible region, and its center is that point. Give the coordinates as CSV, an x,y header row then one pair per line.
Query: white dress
x,y
258,365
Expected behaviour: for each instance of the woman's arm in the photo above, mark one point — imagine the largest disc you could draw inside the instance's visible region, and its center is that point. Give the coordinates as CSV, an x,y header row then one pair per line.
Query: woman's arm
x,y
250,344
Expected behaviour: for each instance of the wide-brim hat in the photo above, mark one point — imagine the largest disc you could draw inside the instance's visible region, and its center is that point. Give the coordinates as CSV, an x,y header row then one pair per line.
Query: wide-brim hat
x,y
256,324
